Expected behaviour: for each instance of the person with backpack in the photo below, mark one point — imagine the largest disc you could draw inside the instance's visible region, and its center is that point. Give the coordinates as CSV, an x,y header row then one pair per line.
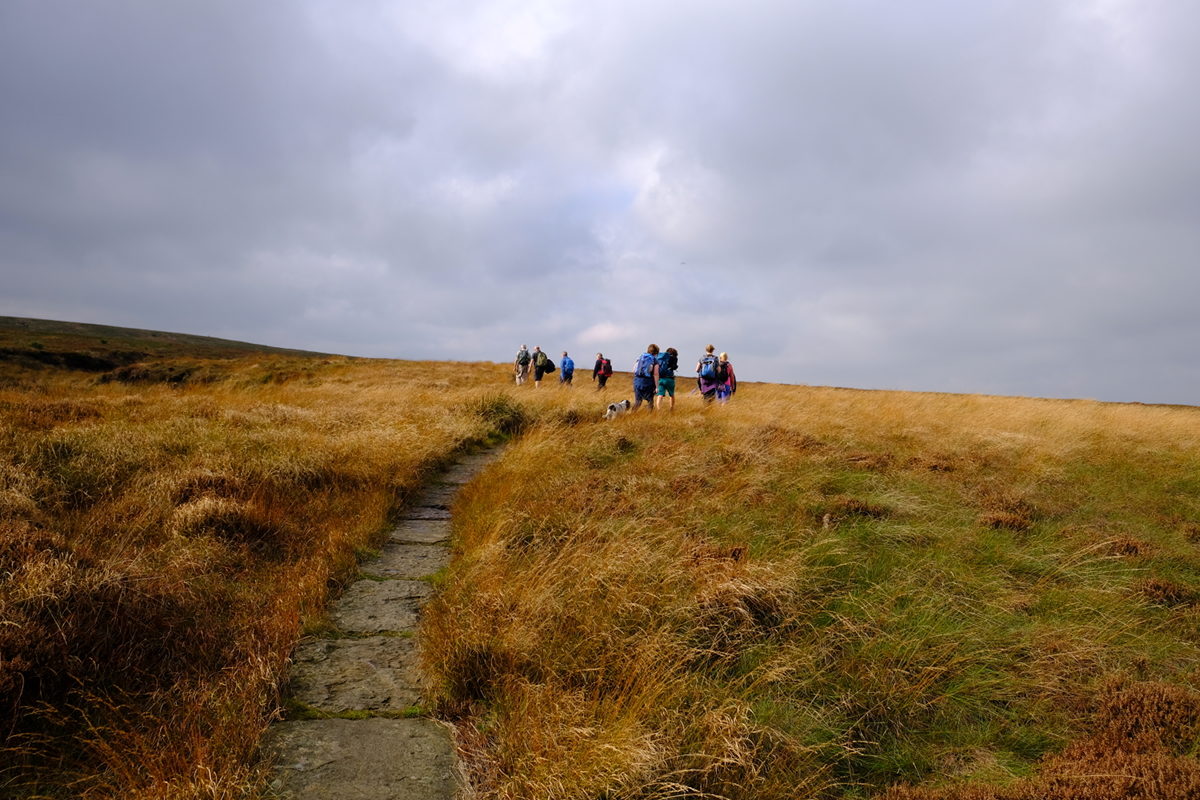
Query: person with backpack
x,y
541,365
668,362
728,384
602,371
521,364
566,369
707,369
645,377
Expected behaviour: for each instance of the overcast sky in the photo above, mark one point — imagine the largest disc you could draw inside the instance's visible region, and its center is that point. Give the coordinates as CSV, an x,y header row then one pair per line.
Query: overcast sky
x,y
998,197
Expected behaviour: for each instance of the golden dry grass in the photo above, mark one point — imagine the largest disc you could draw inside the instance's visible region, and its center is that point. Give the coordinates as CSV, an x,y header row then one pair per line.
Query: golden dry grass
x,y
808,593
823,593
163,543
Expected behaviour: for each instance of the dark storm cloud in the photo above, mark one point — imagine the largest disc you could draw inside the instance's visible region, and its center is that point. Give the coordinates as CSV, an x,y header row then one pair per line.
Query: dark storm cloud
x,y
992,197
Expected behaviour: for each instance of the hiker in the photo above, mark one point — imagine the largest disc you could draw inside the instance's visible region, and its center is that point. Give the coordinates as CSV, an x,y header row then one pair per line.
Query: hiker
x,y
645,378
521,365
728,384
602,371
668,362
566,369
541,365
706,374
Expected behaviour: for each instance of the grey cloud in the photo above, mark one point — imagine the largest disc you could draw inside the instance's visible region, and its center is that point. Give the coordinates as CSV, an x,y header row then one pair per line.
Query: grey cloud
x,y
992,197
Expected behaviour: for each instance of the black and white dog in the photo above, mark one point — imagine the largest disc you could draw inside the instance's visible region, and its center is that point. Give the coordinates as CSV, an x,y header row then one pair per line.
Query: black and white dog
x,y
616,409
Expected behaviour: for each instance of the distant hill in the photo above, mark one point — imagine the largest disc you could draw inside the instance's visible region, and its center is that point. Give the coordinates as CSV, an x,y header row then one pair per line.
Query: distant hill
x,y
99,348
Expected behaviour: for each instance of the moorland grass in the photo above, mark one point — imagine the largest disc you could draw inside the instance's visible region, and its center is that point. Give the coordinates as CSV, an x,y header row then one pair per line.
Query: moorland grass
x,y
827,593
808,593
166,533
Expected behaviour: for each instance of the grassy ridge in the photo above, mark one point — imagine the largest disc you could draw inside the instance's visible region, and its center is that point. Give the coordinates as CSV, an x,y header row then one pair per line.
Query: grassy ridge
x,y
50,336
827,593
163,541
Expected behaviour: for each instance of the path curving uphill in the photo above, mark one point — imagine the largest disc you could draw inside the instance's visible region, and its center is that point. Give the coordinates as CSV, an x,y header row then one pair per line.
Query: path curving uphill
x,y
365,678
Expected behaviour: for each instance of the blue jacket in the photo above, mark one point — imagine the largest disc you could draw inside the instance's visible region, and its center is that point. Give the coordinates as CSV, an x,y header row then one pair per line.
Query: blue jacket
x,y
567,366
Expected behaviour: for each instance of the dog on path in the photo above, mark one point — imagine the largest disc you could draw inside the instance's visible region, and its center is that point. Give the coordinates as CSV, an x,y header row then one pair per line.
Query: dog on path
x,y
616,409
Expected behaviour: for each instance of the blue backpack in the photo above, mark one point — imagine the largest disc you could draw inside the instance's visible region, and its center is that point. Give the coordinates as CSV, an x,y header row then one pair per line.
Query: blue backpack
x,y
645,366
667,364
709,367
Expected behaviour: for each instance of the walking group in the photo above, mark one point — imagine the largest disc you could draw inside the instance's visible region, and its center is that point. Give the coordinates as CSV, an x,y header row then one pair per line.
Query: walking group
x,y
540,365
654,377
653,374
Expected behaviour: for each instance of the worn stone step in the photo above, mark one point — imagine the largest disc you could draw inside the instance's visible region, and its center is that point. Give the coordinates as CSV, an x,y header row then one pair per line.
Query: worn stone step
x,y
421,531
380,606
370,759
437,496
425,512
406,560
464,471
339,675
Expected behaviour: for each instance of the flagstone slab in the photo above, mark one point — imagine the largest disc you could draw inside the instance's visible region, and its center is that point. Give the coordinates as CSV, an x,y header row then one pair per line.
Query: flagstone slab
x,y
440,496
409,560
380,606
339,675
425,512
421,531
464,471
369,759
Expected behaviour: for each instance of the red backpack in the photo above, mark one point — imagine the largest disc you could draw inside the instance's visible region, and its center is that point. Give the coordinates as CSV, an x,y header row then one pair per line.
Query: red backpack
x,y
605,367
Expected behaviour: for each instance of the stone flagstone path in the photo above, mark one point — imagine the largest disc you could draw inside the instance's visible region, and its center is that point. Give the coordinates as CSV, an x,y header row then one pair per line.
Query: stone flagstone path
x,y
369,672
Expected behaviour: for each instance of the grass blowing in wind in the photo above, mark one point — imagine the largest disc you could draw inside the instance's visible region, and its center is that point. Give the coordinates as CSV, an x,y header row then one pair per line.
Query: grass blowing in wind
x,y
826,593
163,543
805,593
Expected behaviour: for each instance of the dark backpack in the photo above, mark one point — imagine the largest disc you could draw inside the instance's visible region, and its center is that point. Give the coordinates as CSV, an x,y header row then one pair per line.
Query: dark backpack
x,y
709,368
548,366
667,364
523,357
722,371
606,367
645,366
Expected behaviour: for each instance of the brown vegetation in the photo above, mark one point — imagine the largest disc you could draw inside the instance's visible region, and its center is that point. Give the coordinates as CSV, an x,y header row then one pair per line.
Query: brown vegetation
x,y
162,542
815,593
1143,746
807,593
